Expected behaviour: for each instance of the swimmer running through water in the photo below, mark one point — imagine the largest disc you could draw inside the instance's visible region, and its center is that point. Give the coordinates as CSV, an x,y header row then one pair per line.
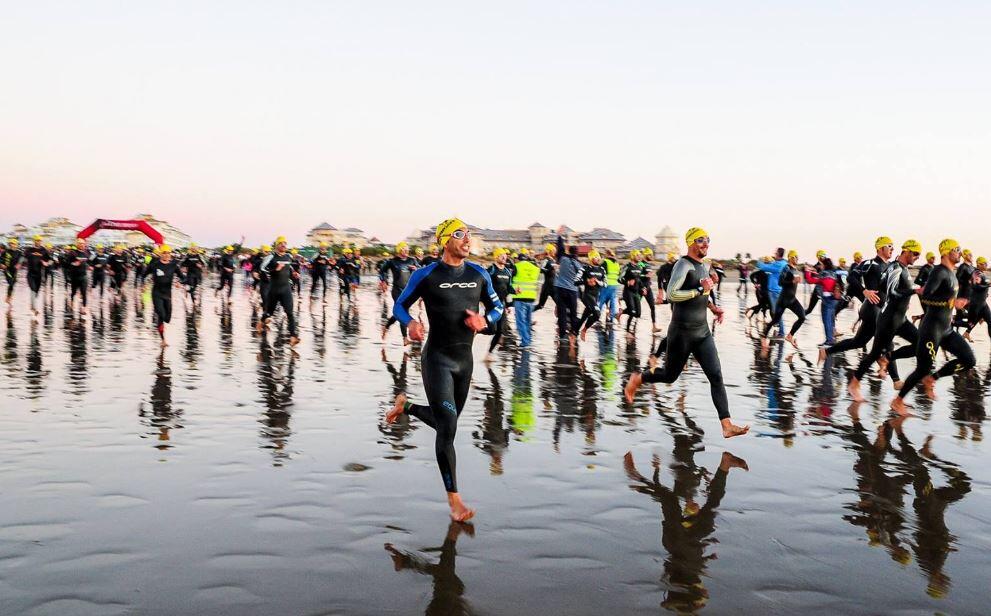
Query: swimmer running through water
x,y
690,292
451,289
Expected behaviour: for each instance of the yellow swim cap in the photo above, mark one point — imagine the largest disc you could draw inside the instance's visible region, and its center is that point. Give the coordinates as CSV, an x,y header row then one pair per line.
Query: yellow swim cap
x,y
228,248
842,261
634,254
13,242
858,255
593,254
446,228
49,245
647,252
192,244
820,254
947,246
433,247
385,253
695,233
967,253
671,256
164,248
323,244
930,255
524,251
347,251
36,238
266,248
498,252
401,245
792,254
982,261
883,241
550,248
912,246
765,259
98,246
280,240
293,251
418,250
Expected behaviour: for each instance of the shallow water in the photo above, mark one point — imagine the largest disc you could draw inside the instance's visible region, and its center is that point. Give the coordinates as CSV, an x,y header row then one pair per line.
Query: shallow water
x,y
229,475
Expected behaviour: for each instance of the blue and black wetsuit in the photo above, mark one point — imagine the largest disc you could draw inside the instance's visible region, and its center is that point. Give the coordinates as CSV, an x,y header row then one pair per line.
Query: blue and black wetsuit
x,y
447,292
689,334
899,290
936,331
401,271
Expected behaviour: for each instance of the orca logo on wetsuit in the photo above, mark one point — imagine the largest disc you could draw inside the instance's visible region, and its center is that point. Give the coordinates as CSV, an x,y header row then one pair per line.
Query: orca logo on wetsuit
x,y
458,285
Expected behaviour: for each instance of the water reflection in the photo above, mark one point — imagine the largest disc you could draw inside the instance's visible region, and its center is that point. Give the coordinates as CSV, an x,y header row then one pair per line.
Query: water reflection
x,y
968,403
163,419
448,590
686,530
396,433
492,435
276,376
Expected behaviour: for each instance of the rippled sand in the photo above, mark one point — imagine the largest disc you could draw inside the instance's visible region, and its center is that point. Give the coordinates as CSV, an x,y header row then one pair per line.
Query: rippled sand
x,y
227,475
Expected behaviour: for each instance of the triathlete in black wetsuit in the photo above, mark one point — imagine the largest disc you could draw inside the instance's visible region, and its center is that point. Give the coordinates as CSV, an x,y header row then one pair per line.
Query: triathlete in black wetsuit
x,y
227,267
192,266
787,300
689,293
400,268
632,292
965,278
162,271
548,268
899,289
279,271
117,263
923,277
936,331
38,259
261,280
501,274
646,288
98,267
318,272
451,289
763,305
816,290
592,280
864,283
77,267
9,262
977,310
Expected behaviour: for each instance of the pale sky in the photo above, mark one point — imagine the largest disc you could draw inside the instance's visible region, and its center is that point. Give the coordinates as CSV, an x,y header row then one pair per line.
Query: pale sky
x,y
802,124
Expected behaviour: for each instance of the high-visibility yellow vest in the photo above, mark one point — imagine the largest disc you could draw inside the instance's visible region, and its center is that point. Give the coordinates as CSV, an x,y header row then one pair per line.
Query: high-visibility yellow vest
x,y
527,274
612,272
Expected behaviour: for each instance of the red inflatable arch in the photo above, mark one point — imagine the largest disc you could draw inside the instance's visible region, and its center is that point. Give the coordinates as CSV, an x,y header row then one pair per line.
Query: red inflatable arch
x,y
122,225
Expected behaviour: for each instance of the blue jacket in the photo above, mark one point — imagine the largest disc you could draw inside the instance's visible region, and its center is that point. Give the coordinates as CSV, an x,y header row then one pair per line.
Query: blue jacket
x,y
773,272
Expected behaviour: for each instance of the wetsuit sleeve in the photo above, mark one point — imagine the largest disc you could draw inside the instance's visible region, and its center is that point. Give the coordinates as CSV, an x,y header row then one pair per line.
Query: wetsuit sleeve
x,y
678,275
774,268
411,293
901,286
265,263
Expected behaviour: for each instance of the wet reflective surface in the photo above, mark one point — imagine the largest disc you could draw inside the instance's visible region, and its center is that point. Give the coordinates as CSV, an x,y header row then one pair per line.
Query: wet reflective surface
x,y
229,474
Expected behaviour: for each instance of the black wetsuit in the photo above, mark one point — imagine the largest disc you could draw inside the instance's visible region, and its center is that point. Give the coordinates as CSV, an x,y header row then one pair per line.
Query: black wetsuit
x,y
162,276
9,260
401,270
193,266
816,291
227,267
117,263
936,331
965,277
646,289
36,256
318,272
763,305
977,309
547,287
689,332
924,273
77,263
502,283
864,277
262,281
787,300
280,287
590,294
632,280
899,290
447,292
138,263
98,262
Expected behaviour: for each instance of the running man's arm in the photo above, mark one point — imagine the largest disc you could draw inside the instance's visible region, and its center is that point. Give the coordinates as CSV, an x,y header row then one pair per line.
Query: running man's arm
x,y
490,299
675,293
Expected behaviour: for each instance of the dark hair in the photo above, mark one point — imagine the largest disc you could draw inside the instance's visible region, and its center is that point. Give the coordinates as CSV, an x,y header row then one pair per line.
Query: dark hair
x,y
780,252
827,264
573,250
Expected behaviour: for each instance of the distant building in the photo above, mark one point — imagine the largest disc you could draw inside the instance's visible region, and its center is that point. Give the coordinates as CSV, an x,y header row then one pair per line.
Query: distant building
x,y
61,231
636,244
667,241
533,238
172,235
326,232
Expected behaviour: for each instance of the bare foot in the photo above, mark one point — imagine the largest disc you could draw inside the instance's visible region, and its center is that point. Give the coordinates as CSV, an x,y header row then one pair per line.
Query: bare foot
x,y
929,384
966,336
765,343
822,354
730,429
294,341
260,327
729,461
898,384
792,340
631,386
898,405
853,388
652,362
584,332
407,341
397,409
460,512
164,344
882,367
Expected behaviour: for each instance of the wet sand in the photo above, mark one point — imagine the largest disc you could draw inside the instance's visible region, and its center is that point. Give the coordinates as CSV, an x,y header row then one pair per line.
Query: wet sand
x,y
227,475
